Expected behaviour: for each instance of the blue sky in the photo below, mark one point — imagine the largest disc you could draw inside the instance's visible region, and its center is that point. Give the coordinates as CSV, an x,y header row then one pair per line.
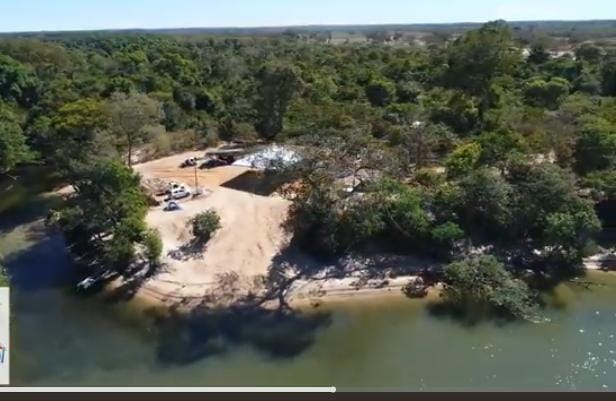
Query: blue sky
x,y
34,15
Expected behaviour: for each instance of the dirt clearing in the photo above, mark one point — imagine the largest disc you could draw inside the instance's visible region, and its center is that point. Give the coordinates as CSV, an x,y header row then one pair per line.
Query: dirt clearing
x,y
251,232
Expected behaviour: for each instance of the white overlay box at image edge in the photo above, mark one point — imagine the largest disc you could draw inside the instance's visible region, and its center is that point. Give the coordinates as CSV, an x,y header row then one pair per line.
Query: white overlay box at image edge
x,y
4,336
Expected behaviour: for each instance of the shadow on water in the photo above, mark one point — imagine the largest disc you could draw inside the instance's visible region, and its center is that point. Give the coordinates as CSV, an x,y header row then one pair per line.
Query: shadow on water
x,y
468,316
42,265
209,332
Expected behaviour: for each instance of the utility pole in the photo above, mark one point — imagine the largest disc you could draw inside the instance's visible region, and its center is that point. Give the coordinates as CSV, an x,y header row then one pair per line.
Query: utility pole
x,y
196,180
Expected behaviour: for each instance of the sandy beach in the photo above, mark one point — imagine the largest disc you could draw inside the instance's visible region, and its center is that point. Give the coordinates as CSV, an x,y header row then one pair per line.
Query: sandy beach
x,y
249,243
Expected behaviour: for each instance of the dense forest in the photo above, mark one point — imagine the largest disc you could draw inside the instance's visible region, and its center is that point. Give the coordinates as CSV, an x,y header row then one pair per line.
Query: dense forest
x,y
487,150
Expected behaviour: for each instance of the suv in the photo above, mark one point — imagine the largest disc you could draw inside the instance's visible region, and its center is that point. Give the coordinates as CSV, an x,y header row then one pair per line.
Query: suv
x,y
179,192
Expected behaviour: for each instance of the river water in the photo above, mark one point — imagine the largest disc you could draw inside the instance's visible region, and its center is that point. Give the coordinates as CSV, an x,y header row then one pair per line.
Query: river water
x,y
390,343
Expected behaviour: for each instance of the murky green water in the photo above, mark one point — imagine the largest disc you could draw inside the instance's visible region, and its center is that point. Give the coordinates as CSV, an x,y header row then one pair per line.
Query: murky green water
x,y
59,339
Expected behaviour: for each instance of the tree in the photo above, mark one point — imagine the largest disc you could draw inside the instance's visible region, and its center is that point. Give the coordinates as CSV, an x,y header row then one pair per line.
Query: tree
x,y
603,184
447,235
456,110
380,92
403,211
588,82
480,56
550,214
277,86
596,146
482,284
550,94
130,114
463,159
104,219
498,146
485,204
153,246
77,135
538,53
17,83
608,78
589,52
204,225
13,148
567,233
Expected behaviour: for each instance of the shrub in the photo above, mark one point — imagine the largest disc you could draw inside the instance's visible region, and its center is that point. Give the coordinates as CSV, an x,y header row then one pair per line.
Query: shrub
x,y
380,92
463,159
550,94
153,246
204,225
447,234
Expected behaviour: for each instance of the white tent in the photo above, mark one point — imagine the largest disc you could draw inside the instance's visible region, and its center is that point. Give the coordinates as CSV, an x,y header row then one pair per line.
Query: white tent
x,y
270,158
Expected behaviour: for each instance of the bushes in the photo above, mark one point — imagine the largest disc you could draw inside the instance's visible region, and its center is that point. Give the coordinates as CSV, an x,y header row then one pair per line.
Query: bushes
x,y
153,246
550,94
402,211
380,92
204,225
463,159
329,221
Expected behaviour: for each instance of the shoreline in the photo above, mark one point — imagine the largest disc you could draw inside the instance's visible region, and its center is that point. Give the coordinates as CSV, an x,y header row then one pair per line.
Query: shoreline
x,y
303,295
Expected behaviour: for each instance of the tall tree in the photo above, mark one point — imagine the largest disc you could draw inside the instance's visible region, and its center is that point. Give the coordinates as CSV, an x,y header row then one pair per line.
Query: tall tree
x,y
477,58
77,134
278,85
130,114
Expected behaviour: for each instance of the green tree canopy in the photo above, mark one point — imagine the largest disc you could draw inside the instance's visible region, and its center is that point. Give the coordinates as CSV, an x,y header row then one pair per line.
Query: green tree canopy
x,y
104,219
278,84
13,147
596,146
129,116
548,94
482,284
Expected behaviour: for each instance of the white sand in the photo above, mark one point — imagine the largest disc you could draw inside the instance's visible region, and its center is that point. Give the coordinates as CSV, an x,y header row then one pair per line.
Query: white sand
x,y
251,233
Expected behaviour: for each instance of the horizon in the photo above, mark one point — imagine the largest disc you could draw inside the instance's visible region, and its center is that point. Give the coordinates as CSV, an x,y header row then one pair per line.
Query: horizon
x,y
342,25
74,16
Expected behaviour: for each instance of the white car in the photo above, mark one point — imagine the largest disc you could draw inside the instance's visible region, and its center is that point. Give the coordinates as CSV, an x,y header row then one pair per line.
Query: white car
x,y
179,192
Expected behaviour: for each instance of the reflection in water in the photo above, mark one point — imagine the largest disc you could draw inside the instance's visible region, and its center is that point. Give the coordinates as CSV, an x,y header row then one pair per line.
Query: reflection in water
x,y
204,333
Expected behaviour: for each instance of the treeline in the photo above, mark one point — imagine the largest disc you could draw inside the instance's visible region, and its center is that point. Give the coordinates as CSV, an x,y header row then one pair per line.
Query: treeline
x,y
574,30
460,145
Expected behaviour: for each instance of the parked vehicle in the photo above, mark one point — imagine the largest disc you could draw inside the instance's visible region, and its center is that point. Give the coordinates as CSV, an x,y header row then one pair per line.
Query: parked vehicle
x,y
171,206
217,161
179,192
172,186
190,162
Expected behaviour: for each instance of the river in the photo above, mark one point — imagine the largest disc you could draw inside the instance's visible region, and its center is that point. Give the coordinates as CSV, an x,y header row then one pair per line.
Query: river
x,y
390,343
